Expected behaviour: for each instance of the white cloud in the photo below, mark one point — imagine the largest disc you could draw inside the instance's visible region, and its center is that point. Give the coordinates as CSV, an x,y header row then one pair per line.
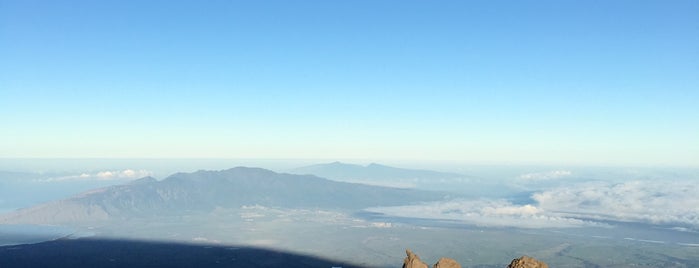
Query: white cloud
x,y
549,175
485,212
669,202
126,174
657,202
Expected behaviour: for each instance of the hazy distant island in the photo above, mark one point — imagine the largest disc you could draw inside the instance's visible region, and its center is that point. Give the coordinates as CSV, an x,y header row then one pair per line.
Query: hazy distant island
x,y
375,173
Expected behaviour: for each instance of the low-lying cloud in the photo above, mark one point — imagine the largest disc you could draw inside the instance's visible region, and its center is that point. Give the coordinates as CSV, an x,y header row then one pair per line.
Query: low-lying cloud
x,y
656,202
485,212
126,174
575,205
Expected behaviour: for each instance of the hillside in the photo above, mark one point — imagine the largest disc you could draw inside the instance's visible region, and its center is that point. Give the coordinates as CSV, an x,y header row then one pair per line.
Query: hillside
x,y
206,190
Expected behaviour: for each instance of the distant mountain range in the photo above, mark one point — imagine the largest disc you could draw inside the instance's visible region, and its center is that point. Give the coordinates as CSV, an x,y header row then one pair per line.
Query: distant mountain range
x,y
381,175
204,191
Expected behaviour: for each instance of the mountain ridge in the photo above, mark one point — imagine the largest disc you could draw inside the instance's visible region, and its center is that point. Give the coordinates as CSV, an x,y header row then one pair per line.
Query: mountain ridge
x,y
378,174
205,190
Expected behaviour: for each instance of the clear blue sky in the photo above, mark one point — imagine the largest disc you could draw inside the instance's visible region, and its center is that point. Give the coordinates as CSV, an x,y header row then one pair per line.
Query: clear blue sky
x,y
576,82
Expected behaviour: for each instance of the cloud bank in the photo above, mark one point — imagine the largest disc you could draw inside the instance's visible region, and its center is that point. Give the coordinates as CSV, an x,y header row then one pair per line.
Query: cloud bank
x,y
655,202
670,202
126,174
486,213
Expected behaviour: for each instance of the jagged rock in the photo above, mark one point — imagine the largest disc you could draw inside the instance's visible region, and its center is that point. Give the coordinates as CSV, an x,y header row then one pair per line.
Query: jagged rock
x,y
413,261
446,263
527,262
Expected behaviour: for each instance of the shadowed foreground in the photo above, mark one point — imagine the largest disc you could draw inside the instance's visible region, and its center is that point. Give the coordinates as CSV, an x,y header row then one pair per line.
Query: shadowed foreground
x,y
88,252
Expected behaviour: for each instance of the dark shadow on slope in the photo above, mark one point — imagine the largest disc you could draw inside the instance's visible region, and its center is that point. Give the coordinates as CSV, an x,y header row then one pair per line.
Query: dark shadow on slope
x,y
93,252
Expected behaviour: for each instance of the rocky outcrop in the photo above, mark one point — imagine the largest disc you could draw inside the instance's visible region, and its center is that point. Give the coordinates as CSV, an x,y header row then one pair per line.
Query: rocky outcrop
x,y
413,261
446,263
527,262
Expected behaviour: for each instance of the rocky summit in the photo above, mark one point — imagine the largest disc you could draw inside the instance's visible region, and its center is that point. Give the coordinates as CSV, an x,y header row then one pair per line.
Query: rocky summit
x,y
447,263
413,261
527,262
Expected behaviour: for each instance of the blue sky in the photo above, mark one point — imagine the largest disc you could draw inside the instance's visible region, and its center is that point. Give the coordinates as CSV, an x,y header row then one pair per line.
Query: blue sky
x,y
574,82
